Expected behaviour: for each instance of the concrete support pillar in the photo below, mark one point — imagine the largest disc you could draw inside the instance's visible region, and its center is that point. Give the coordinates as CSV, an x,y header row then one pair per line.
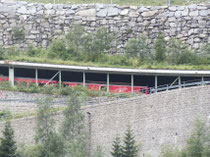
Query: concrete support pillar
x,y
132,83
202,79
36,76
156,82
11,76
84,79
60,79
180,83
107,82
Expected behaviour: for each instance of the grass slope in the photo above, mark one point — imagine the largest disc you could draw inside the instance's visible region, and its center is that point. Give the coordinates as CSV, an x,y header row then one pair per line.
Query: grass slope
x,y
80,63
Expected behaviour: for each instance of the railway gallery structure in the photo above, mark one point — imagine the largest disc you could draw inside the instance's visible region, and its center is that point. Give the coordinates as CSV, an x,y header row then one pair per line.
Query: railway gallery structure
x,y
101,78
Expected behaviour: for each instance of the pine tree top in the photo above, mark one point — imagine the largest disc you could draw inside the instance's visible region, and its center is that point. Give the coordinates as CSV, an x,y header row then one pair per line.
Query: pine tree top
x,y
8,144
130,149
117,148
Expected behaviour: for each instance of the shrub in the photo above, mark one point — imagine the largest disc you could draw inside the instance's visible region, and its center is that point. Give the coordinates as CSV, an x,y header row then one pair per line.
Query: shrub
x,y
4,84
117,60
169,151
57,49
178,53
18,33
198,143
34,88
160,48
5,114
134,62
204,60
30,151
1,52
205,50
48,89
175,47
103,41
204,54
138,48
32,51
12,51
99,44
187,57
66,91
74,39
98,152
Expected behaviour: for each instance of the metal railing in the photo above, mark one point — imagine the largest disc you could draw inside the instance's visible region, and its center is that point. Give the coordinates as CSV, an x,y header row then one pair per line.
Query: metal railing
x,y
185,84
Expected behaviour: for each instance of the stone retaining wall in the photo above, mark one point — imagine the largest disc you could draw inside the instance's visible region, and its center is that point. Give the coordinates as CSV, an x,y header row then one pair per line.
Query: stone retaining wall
x,y
156,119
42,22
26,103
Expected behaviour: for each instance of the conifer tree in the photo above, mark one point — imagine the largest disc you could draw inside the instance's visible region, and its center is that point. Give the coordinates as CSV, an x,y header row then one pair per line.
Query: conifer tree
x,y
46,135
160,48
8,145
117,148
198,143
73,128
130,148
98,152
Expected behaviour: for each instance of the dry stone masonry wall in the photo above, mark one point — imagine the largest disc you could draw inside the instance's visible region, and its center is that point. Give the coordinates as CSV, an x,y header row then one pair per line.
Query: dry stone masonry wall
x,y
156,119
42,22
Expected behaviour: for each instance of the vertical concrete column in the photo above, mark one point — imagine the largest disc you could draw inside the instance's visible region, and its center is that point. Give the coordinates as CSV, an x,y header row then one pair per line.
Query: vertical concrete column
x,y
60,78
202,79
84,79
11,76
156,82
132,83
180,83
107,82
36,76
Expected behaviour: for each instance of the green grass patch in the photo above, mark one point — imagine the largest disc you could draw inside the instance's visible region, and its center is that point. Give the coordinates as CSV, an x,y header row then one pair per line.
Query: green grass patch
x,y
101,64
100,50
27,114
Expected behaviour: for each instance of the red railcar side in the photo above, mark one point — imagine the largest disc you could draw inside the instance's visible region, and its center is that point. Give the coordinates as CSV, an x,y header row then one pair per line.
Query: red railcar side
x,y
4,79
91,86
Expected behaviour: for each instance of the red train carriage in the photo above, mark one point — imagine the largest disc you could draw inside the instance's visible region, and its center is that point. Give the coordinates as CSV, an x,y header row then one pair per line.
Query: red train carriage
x,y
91,86
4,79
40,82
70,84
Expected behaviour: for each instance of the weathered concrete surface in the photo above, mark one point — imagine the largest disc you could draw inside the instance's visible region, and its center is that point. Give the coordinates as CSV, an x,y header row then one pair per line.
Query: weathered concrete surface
x,y
156,119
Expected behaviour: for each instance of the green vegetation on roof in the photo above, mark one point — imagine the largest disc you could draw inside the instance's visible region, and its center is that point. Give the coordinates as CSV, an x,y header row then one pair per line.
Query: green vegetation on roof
x,y
101,50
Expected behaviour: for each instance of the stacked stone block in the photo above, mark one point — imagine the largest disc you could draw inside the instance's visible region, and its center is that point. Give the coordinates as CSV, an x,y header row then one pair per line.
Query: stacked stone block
x,y
156,120
43,22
